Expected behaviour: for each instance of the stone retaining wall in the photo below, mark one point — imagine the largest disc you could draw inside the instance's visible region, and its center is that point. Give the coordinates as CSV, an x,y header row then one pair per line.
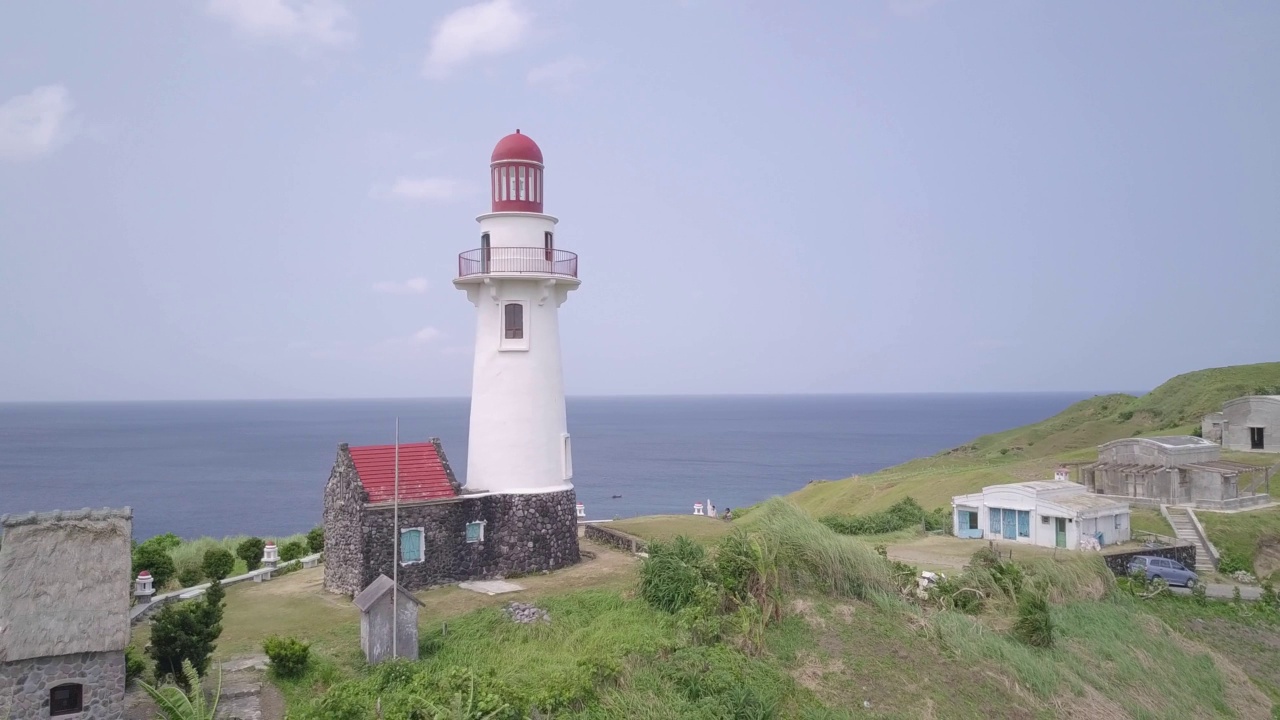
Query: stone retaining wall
x,y
25,685
615,538
1119,562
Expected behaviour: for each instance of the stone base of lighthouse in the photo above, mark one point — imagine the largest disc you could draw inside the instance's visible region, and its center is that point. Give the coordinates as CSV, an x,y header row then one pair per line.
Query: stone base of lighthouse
x,y
523,533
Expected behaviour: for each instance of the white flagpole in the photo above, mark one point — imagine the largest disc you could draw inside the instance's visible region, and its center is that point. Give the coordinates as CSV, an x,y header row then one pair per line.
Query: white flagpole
x,y
395,552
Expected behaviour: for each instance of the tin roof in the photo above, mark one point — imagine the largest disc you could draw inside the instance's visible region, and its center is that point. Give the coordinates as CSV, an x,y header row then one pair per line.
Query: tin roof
x,y
423,472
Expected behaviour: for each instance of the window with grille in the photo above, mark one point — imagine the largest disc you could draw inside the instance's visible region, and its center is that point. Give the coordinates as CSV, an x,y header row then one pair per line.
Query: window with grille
x,y
66,699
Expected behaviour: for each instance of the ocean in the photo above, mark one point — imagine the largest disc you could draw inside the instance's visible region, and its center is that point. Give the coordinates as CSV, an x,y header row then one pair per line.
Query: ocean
x,y
259,467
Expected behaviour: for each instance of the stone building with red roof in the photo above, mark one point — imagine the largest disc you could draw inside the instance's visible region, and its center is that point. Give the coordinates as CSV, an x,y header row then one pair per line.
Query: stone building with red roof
x,y
446,533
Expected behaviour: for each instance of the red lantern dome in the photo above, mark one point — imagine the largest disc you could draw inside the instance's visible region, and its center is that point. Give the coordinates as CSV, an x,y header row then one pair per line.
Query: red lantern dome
x,y
516,174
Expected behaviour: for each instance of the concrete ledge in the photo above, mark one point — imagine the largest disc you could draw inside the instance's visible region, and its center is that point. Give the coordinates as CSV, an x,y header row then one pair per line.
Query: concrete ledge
x,y
614,538
140,610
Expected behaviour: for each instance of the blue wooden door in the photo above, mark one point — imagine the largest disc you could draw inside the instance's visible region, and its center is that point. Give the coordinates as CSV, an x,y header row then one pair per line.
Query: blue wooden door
x,y
1010,525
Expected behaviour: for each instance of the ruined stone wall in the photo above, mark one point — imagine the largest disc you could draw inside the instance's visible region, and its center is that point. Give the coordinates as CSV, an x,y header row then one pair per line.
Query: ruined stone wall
x,y
344,499
25,685
522,534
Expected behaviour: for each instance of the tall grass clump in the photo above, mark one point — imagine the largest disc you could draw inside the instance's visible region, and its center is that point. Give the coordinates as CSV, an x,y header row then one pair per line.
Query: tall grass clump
x,y
674,573
813,557
1034,625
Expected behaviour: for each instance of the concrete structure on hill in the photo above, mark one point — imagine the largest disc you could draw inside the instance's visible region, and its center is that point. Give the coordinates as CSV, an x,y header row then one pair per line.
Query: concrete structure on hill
x,y
64,613
1247,423
1048,513
1175,470
388,621
517,511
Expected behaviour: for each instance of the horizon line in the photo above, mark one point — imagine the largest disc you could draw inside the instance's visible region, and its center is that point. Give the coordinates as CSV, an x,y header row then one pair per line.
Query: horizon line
x,y
589,396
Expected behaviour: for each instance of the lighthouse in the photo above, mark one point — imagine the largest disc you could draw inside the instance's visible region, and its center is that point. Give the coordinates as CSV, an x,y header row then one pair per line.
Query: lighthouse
x,y
517,279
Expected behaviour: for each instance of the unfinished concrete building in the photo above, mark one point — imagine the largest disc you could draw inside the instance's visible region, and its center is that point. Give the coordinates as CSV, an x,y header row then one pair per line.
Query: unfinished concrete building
x,y
1175,470
1251,422
64,614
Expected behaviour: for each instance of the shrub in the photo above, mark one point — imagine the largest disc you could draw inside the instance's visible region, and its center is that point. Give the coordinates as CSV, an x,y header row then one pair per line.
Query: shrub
x,y
218,563
1125,416
1199,594
288,655
190,575
1269,597
905,513
672,575
315,539
167,541
154,558
250,550
293,550
1034,626
187,632
135,665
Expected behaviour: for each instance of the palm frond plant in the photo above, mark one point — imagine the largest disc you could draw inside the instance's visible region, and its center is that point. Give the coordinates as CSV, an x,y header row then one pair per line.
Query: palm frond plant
x,y
191,704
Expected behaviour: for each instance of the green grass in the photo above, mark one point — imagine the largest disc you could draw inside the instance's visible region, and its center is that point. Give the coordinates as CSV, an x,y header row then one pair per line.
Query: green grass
x,y
700,529
1109,655
191,552
1253,535
1151,521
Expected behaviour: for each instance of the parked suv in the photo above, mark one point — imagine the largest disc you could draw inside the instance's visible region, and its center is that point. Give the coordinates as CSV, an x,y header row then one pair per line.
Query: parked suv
x,y
1173,572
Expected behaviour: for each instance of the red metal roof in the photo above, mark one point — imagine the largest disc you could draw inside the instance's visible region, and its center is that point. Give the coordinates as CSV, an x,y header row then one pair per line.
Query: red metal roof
x,y
422,472
516,147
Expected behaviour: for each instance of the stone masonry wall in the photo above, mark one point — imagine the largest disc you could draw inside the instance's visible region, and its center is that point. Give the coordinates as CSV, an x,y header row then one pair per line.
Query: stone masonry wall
x,y
522,534
614,538
344,500
1118,563
25,685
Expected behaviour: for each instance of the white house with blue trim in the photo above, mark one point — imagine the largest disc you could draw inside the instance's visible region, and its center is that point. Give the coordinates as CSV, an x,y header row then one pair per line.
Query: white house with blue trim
x,y
1048,513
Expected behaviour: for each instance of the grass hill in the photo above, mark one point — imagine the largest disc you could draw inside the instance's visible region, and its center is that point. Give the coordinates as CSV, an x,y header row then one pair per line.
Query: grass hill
x,y
1032,451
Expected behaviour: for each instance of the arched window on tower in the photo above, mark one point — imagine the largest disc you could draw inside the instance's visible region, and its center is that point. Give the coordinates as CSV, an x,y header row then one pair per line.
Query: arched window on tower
x,y
513,321
549,241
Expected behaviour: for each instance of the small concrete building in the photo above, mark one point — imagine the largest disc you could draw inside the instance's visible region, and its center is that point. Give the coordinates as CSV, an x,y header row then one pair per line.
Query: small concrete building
x,y
1048,513
1175,470
64,613
388,610
1246,423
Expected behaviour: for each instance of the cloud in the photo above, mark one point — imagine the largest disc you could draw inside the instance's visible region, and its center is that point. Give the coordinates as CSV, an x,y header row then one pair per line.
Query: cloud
x,y
412,286
559,75
35,124
418,189
413,343
320,21
487,28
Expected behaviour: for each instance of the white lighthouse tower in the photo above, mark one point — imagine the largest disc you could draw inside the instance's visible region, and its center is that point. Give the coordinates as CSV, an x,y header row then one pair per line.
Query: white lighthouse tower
x,y
517,279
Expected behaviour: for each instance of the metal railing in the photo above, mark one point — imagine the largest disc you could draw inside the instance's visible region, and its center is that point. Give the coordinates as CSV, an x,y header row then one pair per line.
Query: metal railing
x,y
517,261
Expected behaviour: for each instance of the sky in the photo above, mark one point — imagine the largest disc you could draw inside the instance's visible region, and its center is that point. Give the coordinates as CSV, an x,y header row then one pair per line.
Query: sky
x,y
238,199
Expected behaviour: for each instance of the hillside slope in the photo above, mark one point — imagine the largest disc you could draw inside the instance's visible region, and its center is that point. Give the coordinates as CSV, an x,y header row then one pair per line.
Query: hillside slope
x,y
1031,452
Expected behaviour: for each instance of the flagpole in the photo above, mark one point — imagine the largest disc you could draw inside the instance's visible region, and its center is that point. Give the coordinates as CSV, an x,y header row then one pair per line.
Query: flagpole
x,y
395,552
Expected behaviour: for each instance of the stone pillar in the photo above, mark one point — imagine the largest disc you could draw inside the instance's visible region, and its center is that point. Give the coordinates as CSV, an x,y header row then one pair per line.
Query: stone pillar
x,y
581,510
143,588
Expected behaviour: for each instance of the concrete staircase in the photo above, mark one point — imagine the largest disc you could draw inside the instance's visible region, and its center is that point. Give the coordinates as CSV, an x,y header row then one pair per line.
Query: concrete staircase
x,y
1185,529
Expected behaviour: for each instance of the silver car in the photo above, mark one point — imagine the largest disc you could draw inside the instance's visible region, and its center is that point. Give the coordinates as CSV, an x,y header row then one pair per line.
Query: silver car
x,y
1172,571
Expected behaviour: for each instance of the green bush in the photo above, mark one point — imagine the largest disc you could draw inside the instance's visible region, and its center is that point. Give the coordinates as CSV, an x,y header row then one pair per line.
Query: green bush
x,y
1034,625
293,550
250,550
190,575
288,655
135,665
1125,415
187,631
153,557
904,514
673,574
167,541
315,539
218,563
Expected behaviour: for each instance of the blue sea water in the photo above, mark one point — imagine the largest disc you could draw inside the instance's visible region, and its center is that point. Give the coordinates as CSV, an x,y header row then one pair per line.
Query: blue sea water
x,y
224,468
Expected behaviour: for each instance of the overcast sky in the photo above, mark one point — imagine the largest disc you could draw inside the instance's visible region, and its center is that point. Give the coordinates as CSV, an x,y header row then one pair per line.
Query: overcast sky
x,y
266,198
